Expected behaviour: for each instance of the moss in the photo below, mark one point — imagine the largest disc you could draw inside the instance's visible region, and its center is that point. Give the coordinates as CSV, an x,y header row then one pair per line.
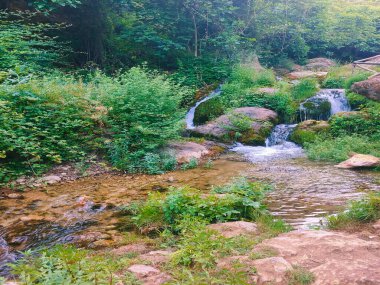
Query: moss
x,y
303,136
308,131
208,110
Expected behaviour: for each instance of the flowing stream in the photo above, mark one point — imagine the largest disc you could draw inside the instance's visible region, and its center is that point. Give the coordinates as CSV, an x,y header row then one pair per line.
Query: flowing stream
x,y
85,212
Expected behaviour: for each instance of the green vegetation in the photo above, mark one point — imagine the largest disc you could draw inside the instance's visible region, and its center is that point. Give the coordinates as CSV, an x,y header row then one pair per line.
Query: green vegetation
x,y
300,276
339,149
208,110
68,265
306,88
343,77
241,200
359,212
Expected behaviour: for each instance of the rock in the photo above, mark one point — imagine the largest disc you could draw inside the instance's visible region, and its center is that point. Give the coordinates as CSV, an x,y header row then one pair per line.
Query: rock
x,y
272,270
90,237
35,218
51,179
369,88
138,248
233,229
246,264
223,129
307,131
296,75
360,160
333,257
156,257
15,196
320,64
149,275
376,226
184,152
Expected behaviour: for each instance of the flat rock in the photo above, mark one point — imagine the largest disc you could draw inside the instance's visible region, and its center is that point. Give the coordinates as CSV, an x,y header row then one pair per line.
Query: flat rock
x,y
359,161
296,75
138,248
15,196
149,275
51,179
272,270
157,257
334,258
369,88
233,229
184,152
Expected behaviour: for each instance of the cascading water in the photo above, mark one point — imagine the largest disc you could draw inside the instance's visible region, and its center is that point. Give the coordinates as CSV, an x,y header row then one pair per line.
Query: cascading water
x,y
322,106
191,113
277,146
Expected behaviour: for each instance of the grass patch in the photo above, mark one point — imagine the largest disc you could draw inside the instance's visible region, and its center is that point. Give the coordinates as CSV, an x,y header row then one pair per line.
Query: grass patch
x,y
300,276
364,211
339,149
306,88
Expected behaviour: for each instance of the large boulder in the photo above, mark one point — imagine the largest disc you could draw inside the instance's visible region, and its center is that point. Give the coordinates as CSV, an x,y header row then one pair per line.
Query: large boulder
x,y
320,64
307,131
360,161
250,125
333,257
369,88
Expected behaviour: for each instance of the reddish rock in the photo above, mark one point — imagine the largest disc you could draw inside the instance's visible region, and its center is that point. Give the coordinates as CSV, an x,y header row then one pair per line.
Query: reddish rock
x,y
15,196
138,248
156,257
149,275
333,257
369,88
184,152
359,161
319,64
272,270
233,229
296,75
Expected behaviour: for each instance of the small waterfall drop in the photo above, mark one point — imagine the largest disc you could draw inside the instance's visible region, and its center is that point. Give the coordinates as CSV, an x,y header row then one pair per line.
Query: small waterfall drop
x,y
277,146
191,113
322,106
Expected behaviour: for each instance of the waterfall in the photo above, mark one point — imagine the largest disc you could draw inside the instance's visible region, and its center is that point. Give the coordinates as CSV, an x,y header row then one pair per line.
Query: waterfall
x,y
322,106
191,113
280,134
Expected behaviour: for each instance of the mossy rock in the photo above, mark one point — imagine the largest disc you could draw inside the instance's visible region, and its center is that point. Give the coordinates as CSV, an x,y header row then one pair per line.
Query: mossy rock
x,y
307,132
208,110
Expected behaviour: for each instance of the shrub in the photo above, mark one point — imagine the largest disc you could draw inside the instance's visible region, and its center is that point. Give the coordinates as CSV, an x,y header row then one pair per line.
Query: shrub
x,y
357,101
45,121
362,123
300,276
193,163
360,76
208,110
167,210
144,115
334,83
306,88
362,211
338,149
67,265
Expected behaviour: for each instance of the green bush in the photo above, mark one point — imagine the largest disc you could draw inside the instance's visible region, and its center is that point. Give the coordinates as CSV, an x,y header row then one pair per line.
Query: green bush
x,y
143,115
334,83
241,201
365,123
208,110
339,149
67,265
306,88
363,211
43,122
357,101
360,76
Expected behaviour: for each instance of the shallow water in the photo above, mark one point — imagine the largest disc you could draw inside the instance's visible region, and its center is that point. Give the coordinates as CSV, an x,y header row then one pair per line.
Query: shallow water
x,y
304,192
